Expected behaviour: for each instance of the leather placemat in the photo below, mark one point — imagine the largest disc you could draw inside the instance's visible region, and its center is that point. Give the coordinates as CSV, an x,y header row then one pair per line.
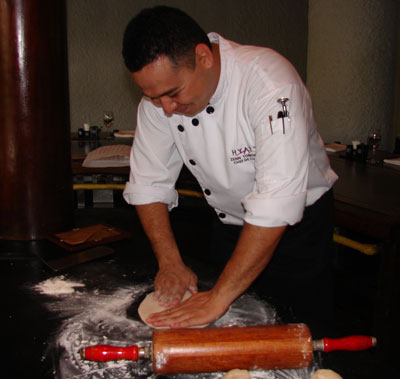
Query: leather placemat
x,y
90,236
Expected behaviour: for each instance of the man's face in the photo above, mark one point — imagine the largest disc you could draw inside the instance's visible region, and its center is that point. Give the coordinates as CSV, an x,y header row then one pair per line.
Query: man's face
x,y
178,90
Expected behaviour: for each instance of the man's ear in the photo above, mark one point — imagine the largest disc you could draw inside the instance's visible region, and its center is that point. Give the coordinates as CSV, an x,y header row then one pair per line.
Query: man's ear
x,y
204,55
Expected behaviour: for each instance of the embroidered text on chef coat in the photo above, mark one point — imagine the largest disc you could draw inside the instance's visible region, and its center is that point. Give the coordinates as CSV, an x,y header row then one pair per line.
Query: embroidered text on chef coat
x,y
243,154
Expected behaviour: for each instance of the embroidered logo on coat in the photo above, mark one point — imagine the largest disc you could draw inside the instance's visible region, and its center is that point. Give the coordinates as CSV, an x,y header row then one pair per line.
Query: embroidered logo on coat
x,y
243,154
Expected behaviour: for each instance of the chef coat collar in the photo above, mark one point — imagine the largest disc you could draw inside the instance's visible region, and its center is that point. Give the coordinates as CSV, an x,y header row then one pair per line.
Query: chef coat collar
x,y
222,83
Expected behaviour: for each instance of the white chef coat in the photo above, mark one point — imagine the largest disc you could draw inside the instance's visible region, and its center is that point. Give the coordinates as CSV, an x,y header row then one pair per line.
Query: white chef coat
x,y
247,172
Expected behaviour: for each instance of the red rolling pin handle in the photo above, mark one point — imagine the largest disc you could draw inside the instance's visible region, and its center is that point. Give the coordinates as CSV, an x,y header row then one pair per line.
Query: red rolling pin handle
x,y
351,343
104,353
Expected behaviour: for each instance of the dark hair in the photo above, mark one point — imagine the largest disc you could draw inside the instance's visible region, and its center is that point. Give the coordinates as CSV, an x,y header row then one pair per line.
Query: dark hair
x,y
161,31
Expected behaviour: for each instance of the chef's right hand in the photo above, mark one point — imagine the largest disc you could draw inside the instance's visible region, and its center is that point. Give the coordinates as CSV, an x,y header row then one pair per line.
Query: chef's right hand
x,y
172,282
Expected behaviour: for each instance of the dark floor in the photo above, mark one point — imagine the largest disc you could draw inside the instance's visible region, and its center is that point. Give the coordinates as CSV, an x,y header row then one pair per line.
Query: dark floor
x,y
28,325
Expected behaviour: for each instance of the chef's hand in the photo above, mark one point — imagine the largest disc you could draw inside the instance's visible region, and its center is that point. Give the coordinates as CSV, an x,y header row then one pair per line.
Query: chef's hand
x,y
201,308
172,282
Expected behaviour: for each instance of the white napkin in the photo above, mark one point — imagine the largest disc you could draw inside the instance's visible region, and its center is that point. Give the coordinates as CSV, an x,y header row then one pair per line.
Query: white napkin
x,y
395,161
125,134
335,147
108,156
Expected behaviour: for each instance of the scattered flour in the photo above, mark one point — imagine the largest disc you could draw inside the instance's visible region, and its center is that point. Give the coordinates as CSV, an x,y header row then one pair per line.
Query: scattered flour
x,y
57,286
98,316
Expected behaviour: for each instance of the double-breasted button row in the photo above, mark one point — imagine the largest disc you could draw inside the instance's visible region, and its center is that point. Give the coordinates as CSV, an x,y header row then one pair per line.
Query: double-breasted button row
x,y
195,121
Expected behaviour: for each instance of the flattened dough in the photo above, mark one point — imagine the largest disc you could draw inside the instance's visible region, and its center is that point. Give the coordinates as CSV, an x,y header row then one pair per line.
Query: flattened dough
x,y
325,374
150,305
237,374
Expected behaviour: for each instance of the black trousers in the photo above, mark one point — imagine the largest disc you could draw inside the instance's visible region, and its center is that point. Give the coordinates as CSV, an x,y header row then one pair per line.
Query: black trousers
x,y
298,279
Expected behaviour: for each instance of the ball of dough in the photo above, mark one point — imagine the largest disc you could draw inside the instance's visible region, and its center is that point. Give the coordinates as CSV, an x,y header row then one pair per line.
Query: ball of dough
x,y
325,374
237,374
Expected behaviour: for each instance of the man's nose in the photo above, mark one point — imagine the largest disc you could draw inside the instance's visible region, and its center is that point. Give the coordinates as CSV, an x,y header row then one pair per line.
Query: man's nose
x,y
168,105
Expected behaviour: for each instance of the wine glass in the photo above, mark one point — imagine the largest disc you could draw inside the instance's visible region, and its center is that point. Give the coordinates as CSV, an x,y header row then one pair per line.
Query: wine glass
x,y
374,139
108,119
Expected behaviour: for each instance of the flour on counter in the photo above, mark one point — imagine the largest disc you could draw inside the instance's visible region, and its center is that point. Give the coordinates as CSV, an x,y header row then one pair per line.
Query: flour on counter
x,y
99,316
57,286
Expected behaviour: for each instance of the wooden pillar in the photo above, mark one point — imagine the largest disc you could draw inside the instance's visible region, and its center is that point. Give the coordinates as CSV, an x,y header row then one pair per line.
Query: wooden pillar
x,y
35,160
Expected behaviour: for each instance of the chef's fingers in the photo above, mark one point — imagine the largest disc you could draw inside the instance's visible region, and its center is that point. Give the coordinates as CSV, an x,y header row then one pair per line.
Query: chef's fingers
x,y
171,296
164,317
200,309
168,290
196,317
183,319
192,283
179,309
171,284
160,319
193,289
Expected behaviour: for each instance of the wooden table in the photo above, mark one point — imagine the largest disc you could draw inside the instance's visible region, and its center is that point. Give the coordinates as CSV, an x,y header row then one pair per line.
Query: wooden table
x,y
367,191
367,201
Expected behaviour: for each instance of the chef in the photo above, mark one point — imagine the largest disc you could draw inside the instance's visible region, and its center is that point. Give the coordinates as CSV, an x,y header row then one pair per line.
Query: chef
x,y
240,119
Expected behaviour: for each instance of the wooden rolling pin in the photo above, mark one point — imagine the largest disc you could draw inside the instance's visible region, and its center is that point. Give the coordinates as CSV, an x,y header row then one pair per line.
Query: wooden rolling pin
x,y
270,347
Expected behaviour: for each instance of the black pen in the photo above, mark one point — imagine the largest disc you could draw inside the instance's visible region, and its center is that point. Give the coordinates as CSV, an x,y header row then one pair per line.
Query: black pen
x,y
270,124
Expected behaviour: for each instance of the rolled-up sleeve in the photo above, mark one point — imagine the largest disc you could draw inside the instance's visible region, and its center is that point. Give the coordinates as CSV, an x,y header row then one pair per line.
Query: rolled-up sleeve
x,y
137,194
282,160
154,163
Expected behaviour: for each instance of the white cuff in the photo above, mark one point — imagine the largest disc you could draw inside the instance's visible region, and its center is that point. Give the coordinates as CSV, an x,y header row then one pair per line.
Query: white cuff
x,y
138,194
263,210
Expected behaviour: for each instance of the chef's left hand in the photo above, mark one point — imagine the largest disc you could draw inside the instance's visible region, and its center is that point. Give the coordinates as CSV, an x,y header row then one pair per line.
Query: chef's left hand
x,y
201,308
